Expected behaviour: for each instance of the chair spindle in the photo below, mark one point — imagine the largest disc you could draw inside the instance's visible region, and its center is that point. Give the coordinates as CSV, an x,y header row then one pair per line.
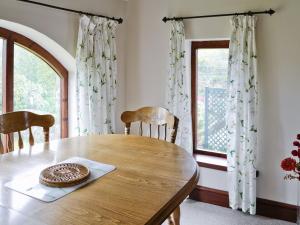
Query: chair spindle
x,y
141,128
46,134
31,140
9,144
165,132
127,128
158,132
20,141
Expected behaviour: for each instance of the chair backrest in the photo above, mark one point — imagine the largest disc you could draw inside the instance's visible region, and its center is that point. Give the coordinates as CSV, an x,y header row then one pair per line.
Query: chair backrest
x,y
19,121
156,116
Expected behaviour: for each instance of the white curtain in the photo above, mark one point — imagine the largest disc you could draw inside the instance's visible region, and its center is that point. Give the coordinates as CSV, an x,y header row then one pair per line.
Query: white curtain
x,y
242,115
178,99
96,75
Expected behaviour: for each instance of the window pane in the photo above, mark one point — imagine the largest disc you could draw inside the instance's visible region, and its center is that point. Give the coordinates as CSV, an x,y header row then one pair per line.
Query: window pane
x,y
211,97
1,71
36,89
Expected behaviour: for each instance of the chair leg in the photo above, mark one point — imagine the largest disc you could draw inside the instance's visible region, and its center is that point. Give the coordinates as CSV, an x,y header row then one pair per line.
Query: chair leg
x,y
174,218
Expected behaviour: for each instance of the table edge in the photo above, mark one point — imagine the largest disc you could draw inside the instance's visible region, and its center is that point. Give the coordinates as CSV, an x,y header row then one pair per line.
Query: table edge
x,y
167,209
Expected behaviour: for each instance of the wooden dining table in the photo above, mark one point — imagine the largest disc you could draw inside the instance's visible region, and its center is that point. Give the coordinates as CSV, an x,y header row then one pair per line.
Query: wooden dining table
x,y
151,179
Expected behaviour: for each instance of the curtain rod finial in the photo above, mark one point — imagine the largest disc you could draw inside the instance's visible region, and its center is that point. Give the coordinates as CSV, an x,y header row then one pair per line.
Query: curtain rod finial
x,y
120,20
165,19
271,12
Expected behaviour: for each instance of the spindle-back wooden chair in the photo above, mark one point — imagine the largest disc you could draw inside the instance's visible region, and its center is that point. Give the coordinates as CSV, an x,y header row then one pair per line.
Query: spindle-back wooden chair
x,y
159,117
19,121
153,116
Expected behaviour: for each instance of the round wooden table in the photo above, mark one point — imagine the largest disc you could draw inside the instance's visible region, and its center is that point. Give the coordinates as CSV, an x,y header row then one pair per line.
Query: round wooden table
x,y
152,178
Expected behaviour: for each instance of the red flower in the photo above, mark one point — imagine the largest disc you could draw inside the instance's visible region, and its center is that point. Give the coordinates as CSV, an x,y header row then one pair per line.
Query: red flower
x,y
295,152
296,143
298,136
288,164
299,153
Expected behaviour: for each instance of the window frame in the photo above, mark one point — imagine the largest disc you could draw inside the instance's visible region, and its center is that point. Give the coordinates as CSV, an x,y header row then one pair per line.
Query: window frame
x,y
195,46
10,38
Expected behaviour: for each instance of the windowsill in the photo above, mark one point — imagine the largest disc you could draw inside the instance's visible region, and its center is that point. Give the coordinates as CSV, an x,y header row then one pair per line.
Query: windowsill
x,y
211,162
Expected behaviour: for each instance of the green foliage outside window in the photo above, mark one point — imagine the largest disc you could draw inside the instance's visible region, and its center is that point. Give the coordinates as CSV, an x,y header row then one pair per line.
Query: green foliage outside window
x,y
36,88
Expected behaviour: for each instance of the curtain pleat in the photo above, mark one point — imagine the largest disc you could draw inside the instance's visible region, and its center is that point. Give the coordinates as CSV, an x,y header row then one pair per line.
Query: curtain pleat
x,y
178,100
242,115
96,62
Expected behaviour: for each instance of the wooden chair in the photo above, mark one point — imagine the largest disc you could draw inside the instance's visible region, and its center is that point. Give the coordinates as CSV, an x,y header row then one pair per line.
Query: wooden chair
x,y
156,116
160,117
19,121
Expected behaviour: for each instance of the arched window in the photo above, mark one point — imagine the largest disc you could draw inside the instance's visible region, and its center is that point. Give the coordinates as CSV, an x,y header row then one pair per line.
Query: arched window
x,y
32,79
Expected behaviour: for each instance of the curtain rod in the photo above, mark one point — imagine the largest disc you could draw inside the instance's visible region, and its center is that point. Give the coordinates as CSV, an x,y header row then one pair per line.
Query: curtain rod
x,y
119,20
249,13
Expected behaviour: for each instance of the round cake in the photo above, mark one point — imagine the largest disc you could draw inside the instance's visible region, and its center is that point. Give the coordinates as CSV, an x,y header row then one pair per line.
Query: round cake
x,y
64,175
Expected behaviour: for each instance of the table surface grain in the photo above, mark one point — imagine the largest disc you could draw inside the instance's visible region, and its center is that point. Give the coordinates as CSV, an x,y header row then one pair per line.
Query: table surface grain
x,y
151,179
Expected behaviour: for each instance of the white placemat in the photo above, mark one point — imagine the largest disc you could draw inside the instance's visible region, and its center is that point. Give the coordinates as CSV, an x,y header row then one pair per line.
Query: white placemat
x,y
29,184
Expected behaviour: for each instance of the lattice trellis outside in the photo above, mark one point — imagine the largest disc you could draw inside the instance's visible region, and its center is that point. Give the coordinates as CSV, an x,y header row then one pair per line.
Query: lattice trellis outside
x,y
215,134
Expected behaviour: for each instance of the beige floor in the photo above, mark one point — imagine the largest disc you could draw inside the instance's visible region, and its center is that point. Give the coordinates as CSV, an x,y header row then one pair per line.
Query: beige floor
x,y
197,213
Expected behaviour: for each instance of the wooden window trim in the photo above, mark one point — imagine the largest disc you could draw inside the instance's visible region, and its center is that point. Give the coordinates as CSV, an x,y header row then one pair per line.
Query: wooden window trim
x,y
211,162
10,38
195,46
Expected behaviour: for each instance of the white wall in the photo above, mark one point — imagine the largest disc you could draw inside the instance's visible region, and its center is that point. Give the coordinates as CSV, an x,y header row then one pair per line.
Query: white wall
x,y
62,28
147,52
278,39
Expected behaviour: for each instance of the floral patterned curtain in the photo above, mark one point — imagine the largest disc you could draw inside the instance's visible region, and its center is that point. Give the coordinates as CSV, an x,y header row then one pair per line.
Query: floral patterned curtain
x,y
178,99
96,75
242,115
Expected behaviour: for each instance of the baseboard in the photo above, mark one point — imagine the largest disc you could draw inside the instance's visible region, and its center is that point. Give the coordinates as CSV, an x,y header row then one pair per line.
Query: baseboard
x,y
276,210
211,196
268,208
